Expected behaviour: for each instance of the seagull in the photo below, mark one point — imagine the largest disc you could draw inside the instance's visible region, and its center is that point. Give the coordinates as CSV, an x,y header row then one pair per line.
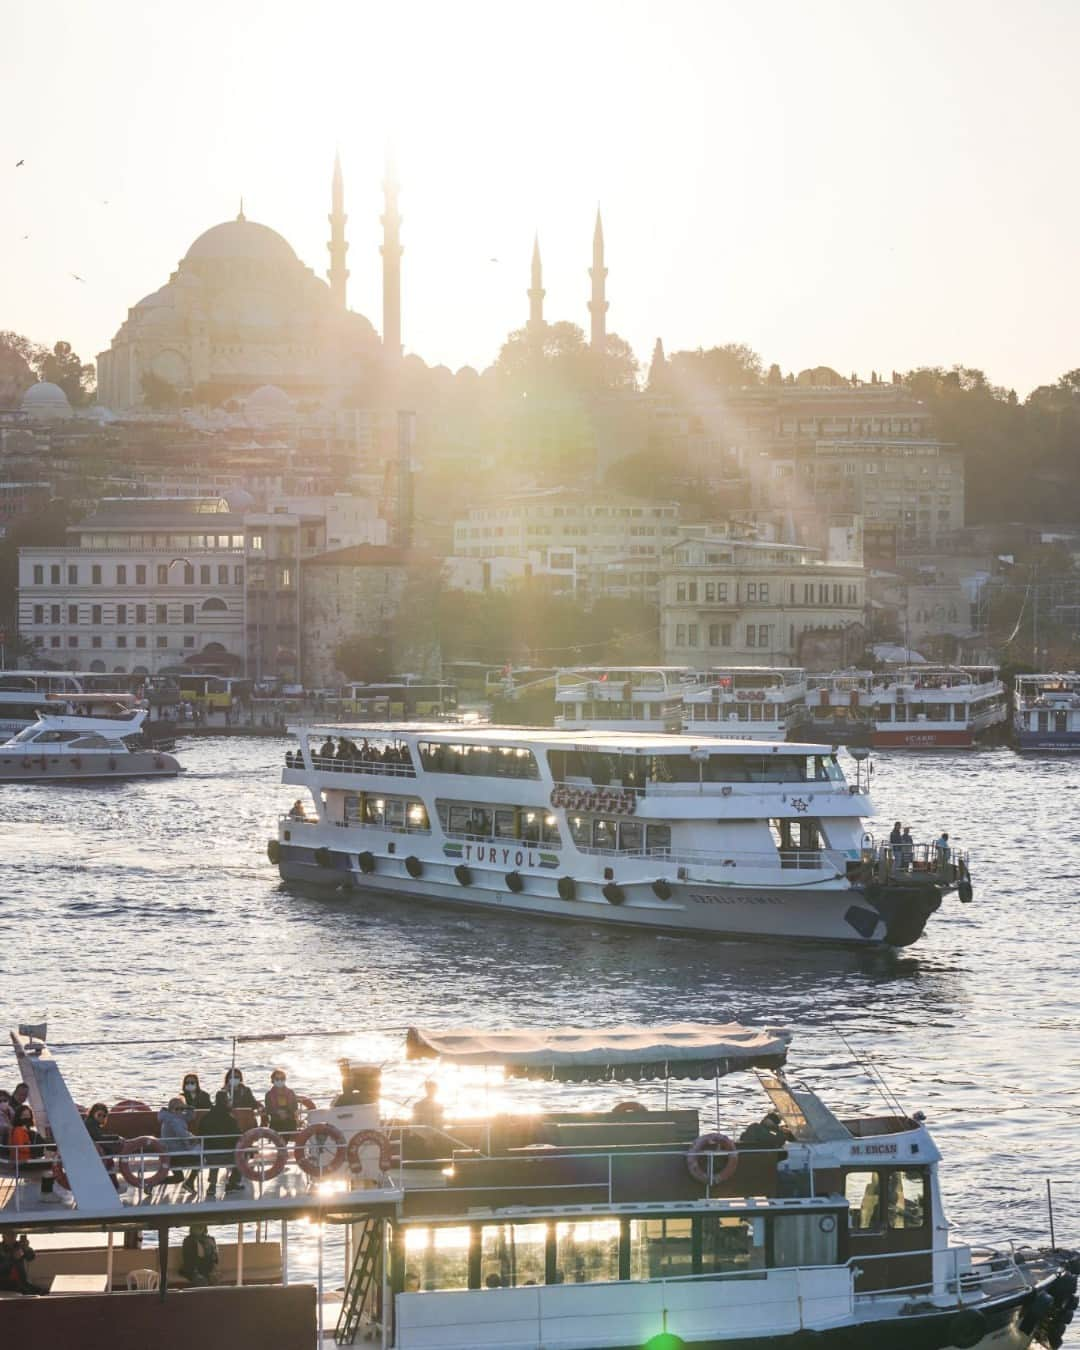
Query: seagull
x,y
493,260
79,278
26,236
20,163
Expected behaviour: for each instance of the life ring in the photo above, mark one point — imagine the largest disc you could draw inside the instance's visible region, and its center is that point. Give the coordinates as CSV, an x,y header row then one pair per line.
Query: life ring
x,y
103,1153
567,888
366,862
257,1166
142,1145
662,889
627,1108
515,882
363,1137
307,1103
613,894
130,1104
273,851
704,1146
324,857
463,874
414,866
314,1166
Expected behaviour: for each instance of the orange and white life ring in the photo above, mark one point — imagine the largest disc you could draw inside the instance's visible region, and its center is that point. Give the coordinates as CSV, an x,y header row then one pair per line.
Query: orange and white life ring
x,y
61,1176
254,1163
364,1137
312,1160
130,1104
133,1170
307,1103
707,1146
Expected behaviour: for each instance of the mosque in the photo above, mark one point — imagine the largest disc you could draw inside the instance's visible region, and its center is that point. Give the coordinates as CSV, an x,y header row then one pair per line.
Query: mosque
x,y
243,315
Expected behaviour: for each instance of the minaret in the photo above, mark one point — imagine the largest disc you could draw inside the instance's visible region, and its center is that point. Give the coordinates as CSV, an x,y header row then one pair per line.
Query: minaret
x,y
391,251
598,306
536,293
338,274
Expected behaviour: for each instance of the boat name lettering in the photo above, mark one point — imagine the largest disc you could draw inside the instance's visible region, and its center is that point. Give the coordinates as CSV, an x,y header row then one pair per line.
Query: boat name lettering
x,y
873,1150
716,899
482,853
612,801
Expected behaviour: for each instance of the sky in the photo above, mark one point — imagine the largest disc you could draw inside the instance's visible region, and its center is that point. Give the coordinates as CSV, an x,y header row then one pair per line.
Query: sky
x,y
865,184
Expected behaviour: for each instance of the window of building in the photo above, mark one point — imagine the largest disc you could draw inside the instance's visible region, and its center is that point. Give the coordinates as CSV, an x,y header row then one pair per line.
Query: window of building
x,y
73,574
121,613
39,613
256,543
189,614
121,639
121,574
763,593
751,590
54,641
140,574
163,574
691,592
161,613
73,613
680,592
223,574
692,635
54,574
39,574
204,574
286,577
189,641
751,634
95,574
161,643
54,613
238,576
680,635
73,641
140,641
189,574
140,613
95,642
214,605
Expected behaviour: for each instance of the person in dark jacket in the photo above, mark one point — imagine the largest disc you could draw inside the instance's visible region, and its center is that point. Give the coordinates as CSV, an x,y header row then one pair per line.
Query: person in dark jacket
x,y
15,1255
198,1255
221,1131
195,1095
237,1091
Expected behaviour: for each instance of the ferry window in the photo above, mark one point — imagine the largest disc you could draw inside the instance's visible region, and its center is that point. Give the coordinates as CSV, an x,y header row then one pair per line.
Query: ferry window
x,y
504,825
907,1199
374,811
352,808
416,816
530,827
804,1240
604,834
395,815
550,831
587,1252
729,1243
658,838
661,1248
863,1194
512,1254
581,831
631,836
436,1258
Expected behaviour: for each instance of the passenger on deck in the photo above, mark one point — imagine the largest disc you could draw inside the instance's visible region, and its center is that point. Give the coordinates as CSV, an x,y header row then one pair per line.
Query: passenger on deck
x,y
96,1120
15,1255
7,1114
221,1131
428,1111
178,1141
282,1105
20,1093
907,849
26,1145
237,1091
195,1095
199,1255
297,811
326,750
941,849
896,841
766,1133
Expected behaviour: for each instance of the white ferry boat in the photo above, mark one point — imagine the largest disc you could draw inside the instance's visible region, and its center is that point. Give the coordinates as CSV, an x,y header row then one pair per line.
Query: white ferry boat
x,y
934,707
627,698
1046,712
102,746
741,838
840,706
612,1228
765,703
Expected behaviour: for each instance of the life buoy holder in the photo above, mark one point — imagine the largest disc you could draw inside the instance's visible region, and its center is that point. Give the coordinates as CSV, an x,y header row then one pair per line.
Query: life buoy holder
x,y
259,1166
273,851
130,1104
360,1140
314,1165
414,866
134,1170
705,1146
307,1103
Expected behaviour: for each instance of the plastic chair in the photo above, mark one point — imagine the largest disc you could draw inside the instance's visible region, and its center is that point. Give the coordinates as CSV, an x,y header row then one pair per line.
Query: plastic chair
x,y
143,1279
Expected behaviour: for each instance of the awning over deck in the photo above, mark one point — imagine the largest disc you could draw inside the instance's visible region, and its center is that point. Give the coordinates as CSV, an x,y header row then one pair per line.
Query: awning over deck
x,y
580,1055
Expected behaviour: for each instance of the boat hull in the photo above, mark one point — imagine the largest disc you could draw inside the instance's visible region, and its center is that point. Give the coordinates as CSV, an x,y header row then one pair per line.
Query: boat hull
x,y
837,914
924,738
1048,740
87,768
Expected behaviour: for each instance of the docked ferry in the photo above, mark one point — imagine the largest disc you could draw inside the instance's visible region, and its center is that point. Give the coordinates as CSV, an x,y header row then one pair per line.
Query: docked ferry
x,y
588,1226
766,703
740,838
932,707
840,707
1046,712
626,698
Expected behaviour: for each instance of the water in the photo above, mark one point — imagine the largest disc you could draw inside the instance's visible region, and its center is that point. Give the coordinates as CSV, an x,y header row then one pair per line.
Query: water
x,y
149,910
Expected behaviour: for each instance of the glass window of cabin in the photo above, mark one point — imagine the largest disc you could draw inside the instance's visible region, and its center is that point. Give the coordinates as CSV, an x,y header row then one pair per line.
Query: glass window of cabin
x,y
658,838
731,1243
550,831
530,826
505,825
395,814
906,1199
374,810
512,1254
661,1248
604,834
804,1240
587,1252
581,831
631,836
863,1192
436,1258
416,816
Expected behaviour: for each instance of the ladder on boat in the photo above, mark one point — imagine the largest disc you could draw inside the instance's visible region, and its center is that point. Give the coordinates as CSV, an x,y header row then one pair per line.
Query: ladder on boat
x,y
364,1280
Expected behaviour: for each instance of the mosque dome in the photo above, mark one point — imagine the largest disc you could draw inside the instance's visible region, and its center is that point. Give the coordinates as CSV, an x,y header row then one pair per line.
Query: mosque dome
x,y
45,399
269,397
241,240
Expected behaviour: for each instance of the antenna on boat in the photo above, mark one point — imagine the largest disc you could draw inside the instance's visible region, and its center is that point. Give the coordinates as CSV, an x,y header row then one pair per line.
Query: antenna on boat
x,y
877,1078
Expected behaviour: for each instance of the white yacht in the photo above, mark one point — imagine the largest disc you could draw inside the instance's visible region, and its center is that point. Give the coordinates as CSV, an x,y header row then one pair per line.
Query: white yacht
x,y
62,746
701,834
766,703
1046,712
626,698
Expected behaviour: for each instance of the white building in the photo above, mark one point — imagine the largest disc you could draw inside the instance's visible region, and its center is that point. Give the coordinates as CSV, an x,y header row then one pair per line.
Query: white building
x,y
142,584
731,601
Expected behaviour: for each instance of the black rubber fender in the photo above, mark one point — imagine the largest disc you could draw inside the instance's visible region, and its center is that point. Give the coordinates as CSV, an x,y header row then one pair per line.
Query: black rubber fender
x,y
414,866
366,862
1038,1306
324,857
463,874
515,882
567,888
273,851
662,889
614,895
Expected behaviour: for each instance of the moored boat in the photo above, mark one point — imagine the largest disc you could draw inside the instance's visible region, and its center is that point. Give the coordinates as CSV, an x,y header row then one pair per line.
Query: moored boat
x,y
102,746
766,703
698,834
1046,712
937,707
626,698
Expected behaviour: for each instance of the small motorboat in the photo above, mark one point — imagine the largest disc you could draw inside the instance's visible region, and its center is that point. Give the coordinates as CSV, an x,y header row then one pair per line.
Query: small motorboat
x,y
66,747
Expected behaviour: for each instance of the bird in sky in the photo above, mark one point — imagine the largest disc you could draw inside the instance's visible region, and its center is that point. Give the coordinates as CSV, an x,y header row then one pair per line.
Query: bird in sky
x,y
493,260
20,163
79,278
26,236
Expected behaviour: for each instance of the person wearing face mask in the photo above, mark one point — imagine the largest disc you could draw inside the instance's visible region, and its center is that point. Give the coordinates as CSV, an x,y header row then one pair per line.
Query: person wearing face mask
x,y
282,1106
194,1095
237,1091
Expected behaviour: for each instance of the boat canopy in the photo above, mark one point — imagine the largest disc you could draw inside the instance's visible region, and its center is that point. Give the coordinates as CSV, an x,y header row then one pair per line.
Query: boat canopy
x,y
580,1055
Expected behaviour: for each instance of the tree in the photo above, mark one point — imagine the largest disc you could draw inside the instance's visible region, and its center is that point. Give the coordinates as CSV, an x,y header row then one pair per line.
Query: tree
x,y
158,392
732,366
62,367
31,352
560,362
657,381
364,656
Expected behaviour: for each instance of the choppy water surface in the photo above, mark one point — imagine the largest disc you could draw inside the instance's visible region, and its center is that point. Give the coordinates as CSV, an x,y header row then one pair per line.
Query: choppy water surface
x,y
150,911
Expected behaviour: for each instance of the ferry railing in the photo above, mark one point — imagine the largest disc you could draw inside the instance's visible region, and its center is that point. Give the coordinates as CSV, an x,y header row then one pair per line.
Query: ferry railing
x,y
294,759
805,790
816,860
